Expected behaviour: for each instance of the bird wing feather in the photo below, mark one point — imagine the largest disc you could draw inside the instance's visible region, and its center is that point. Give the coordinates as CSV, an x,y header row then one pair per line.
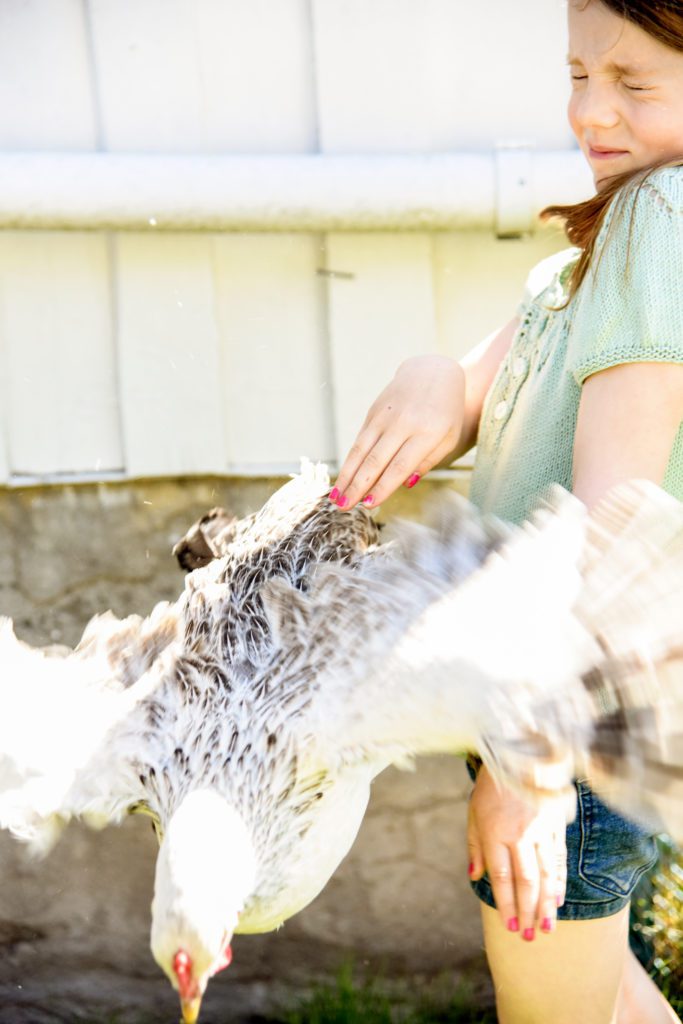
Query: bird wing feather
x,y
632,598
456,636
62,716
558,636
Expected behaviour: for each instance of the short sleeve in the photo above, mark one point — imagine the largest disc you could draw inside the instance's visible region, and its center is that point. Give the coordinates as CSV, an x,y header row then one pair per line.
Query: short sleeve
x,y
629,308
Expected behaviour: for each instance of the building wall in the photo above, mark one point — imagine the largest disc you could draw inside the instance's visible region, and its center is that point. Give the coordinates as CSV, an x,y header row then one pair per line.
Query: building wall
x,y
133,354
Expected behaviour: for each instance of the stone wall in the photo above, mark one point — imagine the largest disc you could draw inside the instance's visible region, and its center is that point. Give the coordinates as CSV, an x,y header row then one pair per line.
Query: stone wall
x,y
74,929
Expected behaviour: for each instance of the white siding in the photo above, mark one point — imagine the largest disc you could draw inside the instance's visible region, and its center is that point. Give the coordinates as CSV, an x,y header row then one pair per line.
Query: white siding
x,y
46,100
404,76
277,392
4,390
55,329
479,283
169,351
381,311
205,75
152,354
223,360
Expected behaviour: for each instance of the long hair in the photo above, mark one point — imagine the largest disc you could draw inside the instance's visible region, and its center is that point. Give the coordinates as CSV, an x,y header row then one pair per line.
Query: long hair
x,y
663,20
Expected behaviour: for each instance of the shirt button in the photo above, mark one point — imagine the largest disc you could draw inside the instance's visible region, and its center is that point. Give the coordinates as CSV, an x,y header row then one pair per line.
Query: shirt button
x,y
519,367
500,410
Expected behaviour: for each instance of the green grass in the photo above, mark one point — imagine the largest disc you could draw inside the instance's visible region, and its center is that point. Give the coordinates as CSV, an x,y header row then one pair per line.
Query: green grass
x,y
114,1018
674,995
343,1004
368,1003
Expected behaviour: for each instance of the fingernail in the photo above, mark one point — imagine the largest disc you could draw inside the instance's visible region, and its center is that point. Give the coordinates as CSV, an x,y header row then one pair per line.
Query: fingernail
x,y
343,501
470,870
334,494
559,900
528,934
513,925
368,500
547,925
414,479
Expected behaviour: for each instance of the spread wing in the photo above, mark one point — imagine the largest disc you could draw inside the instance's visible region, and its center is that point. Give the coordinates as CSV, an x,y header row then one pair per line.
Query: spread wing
x,y
530,656
633,599
58,714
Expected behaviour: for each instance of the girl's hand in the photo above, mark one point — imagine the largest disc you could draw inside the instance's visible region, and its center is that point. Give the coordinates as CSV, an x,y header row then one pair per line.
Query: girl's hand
x,y
413,425
523,850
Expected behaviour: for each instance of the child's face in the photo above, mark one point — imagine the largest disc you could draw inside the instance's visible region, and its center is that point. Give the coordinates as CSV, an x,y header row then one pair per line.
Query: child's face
x,y
626,108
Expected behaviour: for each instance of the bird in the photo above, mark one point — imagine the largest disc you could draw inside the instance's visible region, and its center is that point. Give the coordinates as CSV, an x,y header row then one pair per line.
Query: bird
x,y
249,718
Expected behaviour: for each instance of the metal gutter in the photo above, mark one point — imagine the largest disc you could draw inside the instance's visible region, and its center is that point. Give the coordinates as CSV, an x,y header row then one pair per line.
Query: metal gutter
x,y
501,191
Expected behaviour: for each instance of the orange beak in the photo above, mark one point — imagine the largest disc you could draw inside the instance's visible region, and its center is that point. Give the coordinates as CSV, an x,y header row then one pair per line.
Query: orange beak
x,y
190,1009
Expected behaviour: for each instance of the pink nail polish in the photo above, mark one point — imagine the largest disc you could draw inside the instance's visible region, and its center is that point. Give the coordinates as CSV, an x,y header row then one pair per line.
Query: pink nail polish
x,y
559,900
368,500
547,925
470,869
513,924
334,494
414,479
343,501
528,934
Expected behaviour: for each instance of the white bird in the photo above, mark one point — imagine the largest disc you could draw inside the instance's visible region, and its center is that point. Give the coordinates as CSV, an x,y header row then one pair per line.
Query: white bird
x,y
249,718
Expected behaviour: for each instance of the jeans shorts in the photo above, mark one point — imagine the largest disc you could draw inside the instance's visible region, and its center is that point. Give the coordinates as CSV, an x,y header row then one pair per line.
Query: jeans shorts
x,y
606,855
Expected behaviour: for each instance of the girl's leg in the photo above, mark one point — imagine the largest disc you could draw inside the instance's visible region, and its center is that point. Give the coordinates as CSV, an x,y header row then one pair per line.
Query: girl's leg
x,y
574,974
583,972
640,999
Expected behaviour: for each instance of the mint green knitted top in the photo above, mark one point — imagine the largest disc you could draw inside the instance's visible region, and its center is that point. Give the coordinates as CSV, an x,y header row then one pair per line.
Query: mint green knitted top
x,y
628,309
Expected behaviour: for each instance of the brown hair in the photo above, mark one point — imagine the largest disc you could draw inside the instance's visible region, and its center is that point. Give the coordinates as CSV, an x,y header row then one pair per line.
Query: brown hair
x,y
663,20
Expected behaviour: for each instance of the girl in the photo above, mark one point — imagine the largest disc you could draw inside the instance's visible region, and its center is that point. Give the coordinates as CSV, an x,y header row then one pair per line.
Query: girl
x,y
583,387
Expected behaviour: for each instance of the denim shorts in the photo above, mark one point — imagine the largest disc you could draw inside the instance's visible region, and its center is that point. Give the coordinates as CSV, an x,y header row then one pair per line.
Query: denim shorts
x,y
606,855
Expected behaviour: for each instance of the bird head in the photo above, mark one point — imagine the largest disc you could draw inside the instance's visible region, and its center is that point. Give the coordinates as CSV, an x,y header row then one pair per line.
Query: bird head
x,y
205,872
190,987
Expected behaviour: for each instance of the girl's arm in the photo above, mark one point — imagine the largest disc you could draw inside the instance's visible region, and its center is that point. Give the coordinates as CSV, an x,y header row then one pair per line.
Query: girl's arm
x,y
628,419
428,414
